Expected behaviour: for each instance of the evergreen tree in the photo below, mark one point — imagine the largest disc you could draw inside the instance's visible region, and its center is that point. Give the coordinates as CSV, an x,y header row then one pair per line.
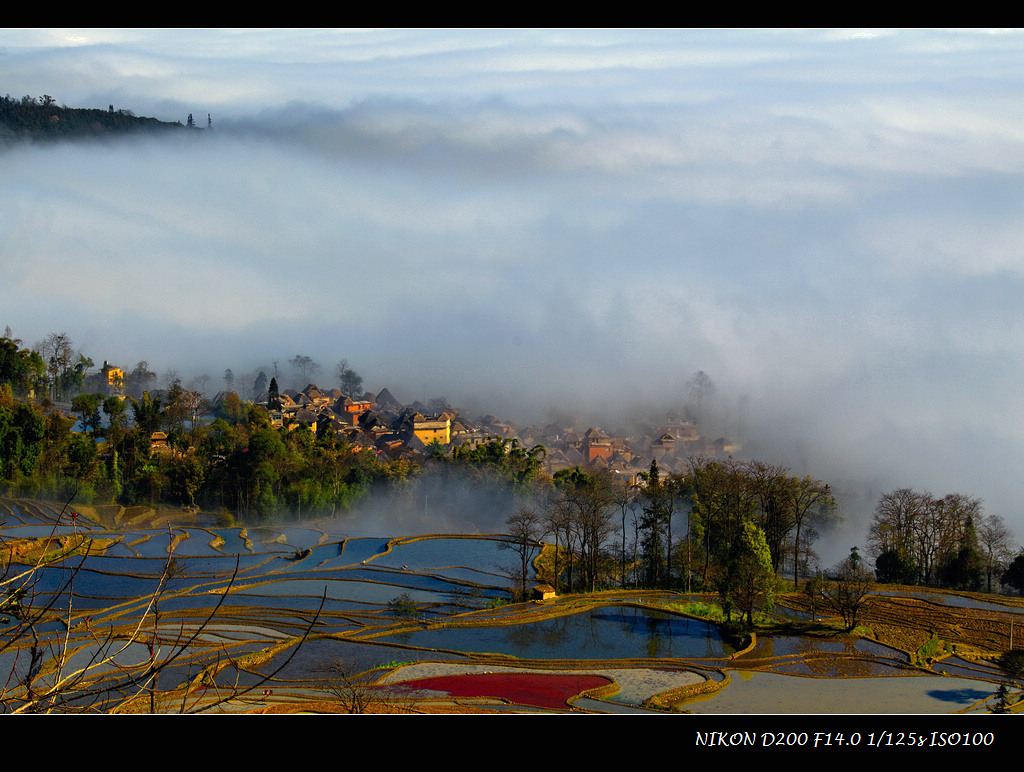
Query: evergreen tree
x,y
274,397
1013,576
147,414
965,570
657,512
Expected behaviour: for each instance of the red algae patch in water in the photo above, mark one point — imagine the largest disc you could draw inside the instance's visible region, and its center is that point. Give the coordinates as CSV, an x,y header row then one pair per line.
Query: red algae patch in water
x,y
540,690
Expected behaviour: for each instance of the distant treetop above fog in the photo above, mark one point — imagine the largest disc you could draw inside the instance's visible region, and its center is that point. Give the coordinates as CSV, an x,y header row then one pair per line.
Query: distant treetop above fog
x,y
31,118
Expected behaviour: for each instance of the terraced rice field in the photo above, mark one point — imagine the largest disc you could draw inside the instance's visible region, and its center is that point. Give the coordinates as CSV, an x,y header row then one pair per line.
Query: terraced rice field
x,y
137,611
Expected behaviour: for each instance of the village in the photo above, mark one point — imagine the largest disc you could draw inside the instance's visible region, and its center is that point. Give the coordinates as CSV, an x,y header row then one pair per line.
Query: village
x,y
414,431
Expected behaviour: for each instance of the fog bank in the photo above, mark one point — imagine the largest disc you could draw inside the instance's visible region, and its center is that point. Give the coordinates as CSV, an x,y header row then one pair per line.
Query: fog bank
x,y
824,222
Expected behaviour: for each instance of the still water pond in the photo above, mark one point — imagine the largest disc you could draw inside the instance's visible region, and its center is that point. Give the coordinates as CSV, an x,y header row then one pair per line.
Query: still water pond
x,y
616,632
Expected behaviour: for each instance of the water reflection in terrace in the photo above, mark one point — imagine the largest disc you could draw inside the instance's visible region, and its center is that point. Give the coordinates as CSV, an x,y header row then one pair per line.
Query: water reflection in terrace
x,y
616,632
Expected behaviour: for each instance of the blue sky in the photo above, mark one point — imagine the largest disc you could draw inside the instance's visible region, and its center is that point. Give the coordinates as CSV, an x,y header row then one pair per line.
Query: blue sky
x,y
827,222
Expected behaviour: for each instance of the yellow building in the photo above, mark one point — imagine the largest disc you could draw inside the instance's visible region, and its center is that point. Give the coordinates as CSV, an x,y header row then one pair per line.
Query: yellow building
x,y
428,430
113,377
109,380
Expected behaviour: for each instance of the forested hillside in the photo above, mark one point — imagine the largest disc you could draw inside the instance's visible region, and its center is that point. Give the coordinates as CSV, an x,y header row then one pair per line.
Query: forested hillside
x,y
41,118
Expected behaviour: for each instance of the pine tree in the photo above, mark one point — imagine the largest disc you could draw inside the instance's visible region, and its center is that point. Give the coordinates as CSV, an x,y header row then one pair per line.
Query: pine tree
x,y
656,513
274,397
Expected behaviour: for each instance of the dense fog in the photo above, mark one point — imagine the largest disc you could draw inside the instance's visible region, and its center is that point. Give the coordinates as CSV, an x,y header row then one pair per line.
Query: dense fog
x,y
827,223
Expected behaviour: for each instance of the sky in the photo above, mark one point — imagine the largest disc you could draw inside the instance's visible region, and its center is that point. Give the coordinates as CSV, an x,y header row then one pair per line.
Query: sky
x,y
826,222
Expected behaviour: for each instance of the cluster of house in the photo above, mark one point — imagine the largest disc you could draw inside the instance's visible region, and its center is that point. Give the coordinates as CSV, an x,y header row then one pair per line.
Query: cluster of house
x,y
376,421
671,441
381,422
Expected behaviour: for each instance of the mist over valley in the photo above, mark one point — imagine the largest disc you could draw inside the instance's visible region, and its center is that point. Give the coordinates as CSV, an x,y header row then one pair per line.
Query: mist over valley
x,y
544,223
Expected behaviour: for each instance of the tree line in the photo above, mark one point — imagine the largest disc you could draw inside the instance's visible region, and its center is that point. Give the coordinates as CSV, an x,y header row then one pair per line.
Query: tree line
x,y
237,462
917,538
30,117
741,526
742,523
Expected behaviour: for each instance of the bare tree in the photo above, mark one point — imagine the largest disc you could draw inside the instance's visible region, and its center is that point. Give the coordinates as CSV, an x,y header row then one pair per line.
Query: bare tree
x,y
53,679
58,354
556,523
770,483
624,495
199,384
304,366
812,502
63,659
846,589
582,507
524,528
891,535
996,546
914,535
362,691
